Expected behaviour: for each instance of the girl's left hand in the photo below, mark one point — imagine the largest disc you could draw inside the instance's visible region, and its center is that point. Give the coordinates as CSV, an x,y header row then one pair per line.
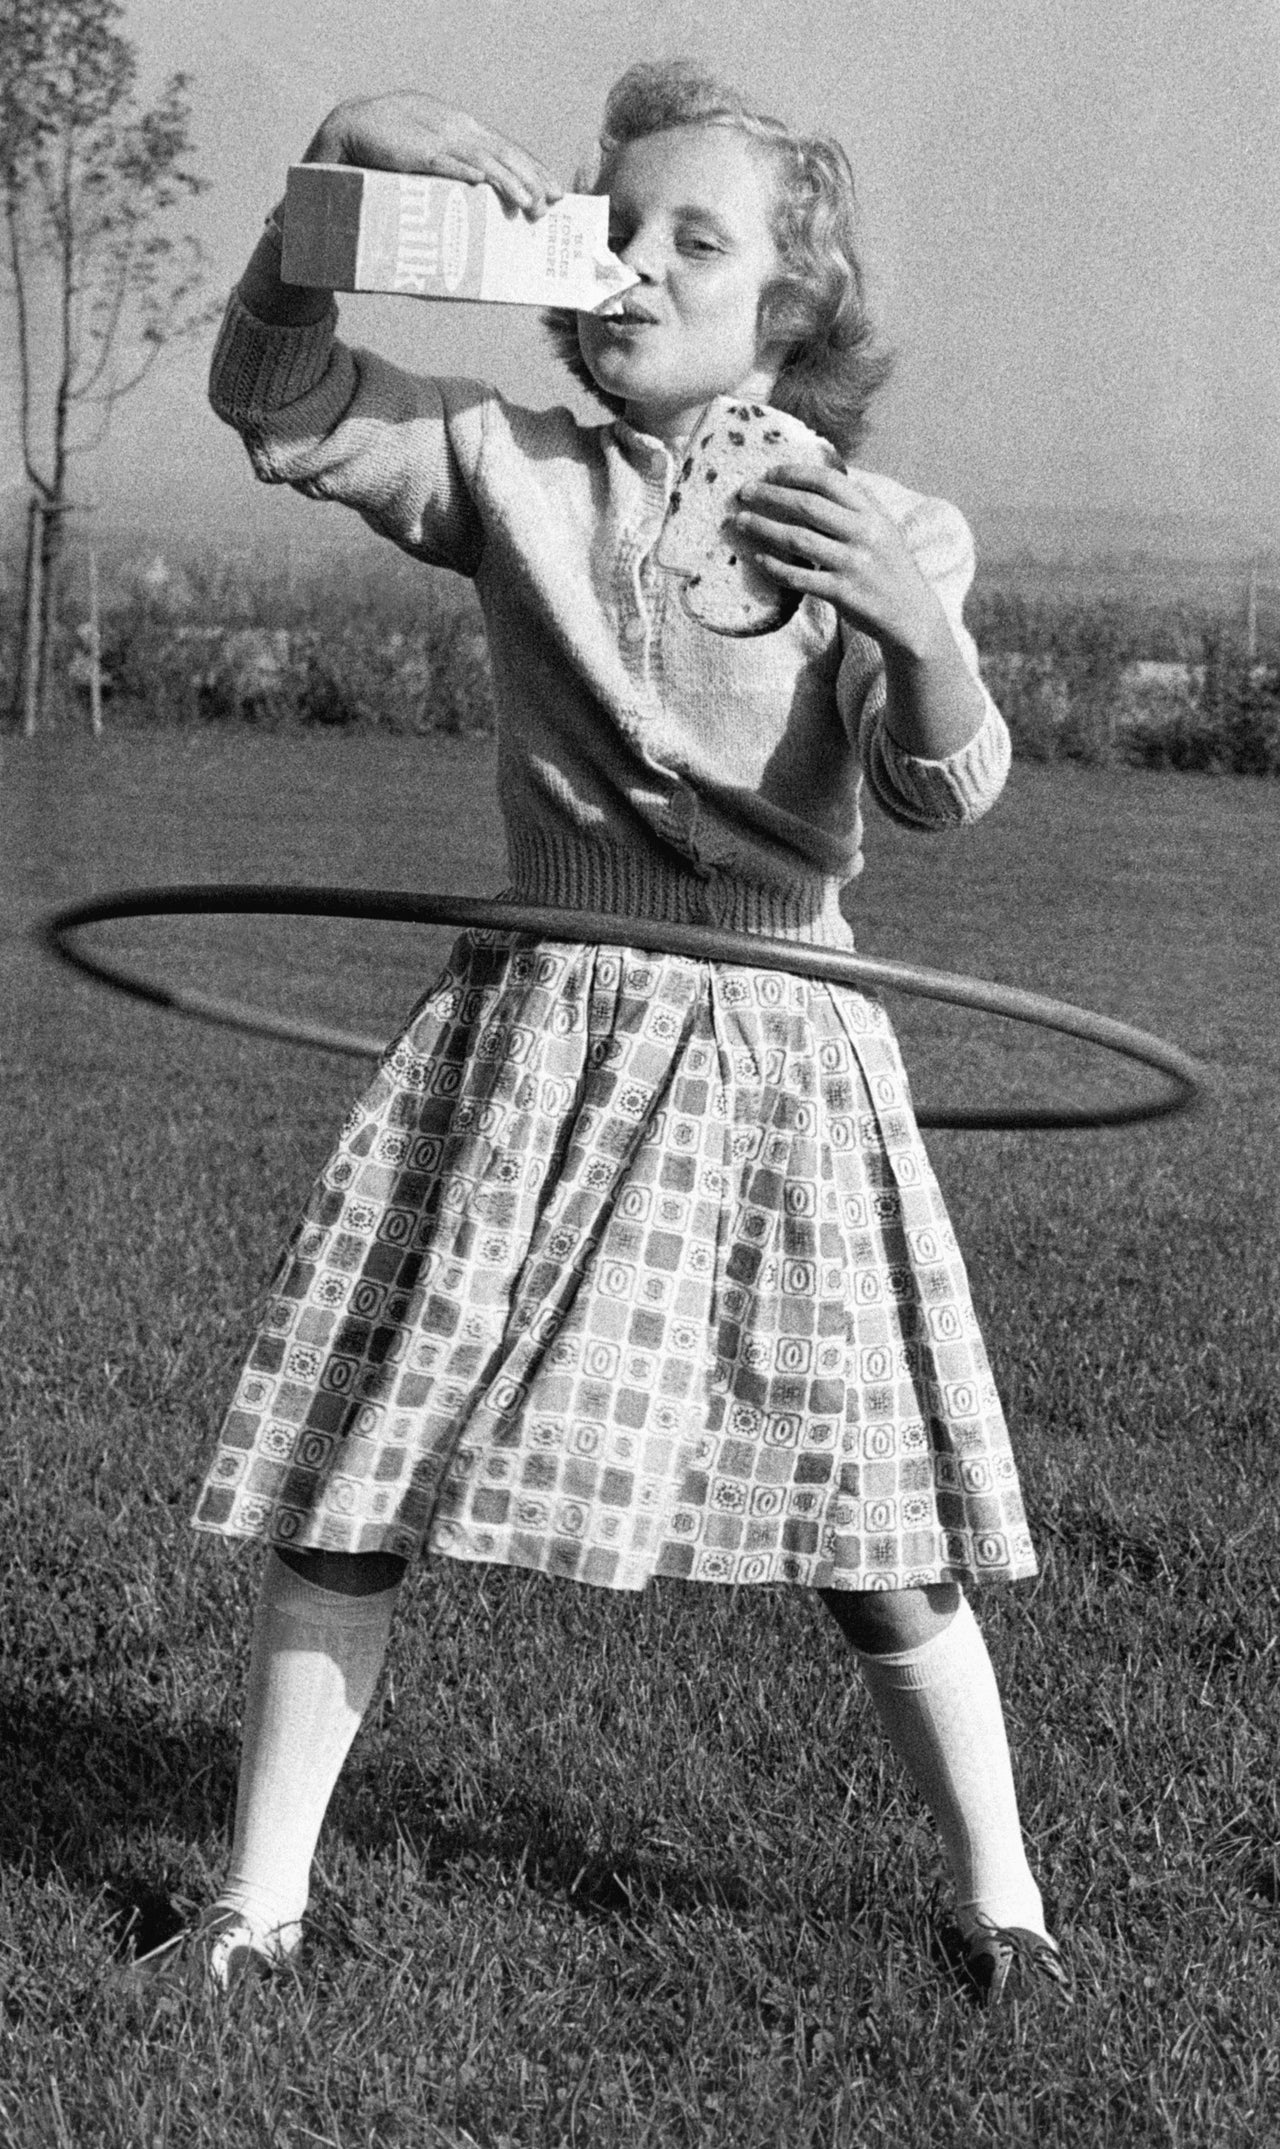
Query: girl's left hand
x,y
823,534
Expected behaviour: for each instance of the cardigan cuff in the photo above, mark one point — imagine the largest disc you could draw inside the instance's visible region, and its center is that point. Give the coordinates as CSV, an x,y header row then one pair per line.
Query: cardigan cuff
x,y
946,793
259,368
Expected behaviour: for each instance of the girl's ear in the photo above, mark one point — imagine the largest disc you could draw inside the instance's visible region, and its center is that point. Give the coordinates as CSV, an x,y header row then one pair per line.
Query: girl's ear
x,y
771,357
775,341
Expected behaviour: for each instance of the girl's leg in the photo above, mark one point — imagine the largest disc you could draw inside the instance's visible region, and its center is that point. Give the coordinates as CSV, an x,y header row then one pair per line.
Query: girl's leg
x,y
319,1640
930,1679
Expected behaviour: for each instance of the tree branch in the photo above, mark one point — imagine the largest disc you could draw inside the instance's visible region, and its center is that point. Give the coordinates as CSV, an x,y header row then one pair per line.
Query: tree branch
x,y
104,335
66,322
18,270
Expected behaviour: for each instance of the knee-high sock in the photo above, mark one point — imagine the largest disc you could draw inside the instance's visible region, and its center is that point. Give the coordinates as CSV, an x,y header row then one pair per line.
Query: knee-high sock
x,y
313,1668
940,1706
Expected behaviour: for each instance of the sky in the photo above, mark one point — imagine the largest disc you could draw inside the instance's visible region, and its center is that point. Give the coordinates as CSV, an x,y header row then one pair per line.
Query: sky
x,y
1069,215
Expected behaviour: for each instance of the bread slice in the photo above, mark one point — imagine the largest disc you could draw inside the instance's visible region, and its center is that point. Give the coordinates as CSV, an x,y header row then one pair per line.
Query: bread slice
x,y
733,443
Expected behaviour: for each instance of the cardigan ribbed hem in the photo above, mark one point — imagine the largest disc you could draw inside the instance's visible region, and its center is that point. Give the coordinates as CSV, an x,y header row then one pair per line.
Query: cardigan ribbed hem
x,y
259,369
572,873
948,793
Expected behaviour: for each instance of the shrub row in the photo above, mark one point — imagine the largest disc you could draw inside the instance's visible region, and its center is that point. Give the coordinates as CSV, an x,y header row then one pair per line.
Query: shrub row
x,y
1102,683
434,677
222,644
1086,682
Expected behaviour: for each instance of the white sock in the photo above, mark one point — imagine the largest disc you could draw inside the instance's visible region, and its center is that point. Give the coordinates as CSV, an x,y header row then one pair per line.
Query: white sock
x,y
940,1706
313,1668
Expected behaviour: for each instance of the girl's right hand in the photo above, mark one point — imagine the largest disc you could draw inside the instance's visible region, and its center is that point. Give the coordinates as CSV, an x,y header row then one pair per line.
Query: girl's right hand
x,y
416,133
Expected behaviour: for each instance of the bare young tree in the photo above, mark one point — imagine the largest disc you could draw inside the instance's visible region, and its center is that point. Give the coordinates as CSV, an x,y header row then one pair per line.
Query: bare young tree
x,y
98,283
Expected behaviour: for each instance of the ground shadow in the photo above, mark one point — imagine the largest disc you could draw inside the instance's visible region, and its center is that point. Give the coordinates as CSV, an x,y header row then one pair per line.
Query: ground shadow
x,y
527,1839
74,1779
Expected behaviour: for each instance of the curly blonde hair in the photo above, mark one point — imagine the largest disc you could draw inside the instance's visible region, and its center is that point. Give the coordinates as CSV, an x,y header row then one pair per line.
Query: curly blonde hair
x,y
816,307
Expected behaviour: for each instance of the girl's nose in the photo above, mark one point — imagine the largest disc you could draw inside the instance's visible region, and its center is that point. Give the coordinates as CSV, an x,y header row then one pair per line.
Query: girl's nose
x,y
641,254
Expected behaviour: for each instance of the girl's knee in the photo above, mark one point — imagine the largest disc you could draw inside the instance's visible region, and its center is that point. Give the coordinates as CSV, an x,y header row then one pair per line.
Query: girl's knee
x,y
881,1621
346,1574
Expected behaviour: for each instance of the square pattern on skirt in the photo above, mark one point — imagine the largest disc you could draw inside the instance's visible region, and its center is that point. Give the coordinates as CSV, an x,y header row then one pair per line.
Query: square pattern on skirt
x,y
629,1265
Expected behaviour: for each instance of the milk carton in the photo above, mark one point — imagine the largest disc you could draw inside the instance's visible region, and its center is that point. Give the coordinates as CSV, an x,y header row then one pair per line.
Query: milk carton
x,y
347,229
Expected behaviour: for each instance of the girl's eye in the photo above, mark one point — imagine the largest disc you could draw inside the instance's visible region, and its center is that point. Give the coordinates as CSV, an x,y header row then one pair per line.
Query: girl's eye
x,y
693,242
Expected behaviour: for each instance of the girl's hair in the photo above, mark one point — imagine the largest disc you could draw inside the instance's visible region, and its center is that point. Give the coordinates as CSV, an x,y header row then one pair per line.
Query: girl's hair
x,y
816,307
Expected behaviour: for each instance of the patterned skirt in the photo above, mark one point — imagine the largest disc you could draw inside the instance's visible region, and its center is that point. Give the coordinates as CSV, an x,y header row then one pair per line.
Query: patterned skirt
x,y
628,1265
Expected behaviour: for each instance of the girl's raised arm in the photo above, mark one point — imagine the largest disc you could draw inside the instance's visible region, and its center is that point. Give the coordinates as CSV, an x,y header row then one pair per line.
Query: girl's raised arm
x,y
409,133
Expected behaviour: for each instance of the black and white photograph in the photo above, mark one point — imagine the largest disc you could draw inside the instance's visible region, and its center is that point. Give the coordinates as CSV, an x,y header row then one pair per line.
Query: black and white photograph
x,y
640,1185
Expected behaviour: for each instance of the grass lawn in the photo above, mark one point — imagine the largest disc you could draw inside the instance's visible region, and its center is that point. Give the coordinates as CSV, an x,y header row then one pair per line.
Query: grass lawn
x,y
627,1871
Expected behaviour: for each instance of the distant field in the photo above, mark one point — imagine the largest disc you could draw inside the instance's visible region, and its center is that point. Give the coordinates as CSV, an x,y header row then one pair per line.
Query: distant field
x,y
1137,578
640,1873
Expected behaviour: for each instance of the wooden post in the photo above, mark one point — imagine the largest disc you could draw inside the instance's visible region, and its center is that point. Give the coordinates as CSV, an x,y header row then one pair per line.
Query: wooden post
x,y
32,619
95,649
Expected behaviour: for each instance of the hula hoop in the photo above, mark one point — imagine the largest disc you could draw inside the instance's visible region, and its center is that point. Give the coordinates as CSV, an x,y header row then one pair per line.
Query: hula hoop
x,y
1185,1079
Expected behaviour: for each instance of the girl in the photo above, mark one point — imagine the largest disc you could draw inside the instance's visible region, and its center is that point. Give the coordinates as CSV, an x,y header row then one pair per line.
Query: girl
x,y
631,1265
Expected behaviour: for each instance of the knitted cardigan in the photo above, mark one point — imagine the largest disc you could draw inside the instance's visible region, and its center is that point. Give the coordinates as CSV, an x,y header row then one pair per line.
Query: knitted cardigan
x,y
646,767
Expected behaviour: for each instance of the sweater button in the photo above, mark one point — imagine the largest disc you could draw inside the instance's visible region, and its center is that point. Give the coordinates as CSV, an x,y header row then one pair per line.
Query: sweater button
x,y
682,812
632,631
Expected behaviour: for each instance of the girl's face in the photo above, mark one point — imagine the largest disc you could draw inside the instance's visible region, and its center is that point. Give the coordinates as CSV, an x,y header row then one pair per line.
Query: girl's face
x,y
690,212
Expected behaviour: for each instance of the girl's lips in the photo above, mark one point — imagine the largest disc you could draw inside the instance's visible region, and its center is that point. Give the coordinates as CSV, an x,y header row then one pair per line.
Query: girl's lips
x,y
624,316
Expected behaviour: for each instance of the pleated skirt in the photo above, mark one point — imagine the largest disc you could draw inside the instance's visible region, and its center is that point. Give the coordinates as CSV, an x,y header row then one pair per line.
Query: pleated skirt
x,y
628,1265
